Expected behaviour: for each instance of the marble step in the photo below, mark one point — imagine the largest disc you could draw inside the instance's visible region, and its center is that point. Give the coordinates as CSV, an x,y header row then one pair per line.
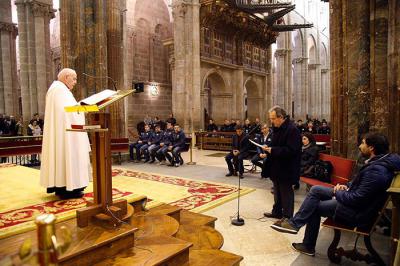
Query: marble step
x,y
202,237
213,257
160,250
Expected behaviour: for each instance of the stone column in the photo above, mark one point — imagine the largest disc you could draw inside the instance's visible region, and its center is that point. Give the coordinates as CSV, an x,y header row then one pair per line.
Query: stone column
x,y
300,96
186,99
35,72
394,74
151,56
281,88
325,94
237,96
9,103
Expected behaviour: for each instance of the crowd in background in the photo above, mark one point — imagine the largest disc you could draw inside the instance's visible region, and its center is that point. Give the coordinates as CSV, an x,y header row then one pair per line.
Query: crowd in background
x,y
10,126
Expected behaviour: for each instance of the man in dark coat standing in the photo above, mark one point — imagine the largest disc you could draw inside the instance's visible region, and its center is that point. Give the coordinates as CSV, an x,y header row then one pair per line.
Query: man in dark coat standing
x,y
284,155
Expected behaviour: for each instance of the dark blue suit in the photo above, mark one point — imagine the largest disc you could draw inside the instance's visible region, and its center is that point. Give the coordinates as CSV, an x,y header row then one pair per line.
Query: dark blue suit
x,y
166,140
139,145
178,144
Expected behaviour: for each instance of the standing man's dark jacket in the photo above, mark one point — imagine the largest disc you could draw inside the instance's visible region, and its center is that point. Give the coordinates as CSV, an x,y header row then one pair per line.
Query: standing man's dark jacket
x,y
367,192
286,152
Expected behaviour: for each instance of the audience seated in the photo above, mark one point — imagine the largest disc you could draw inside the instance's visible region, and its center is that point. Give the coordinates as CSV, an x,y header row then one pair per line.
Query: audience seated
x,y
154,140
324,129
212,127
309,153
264,139
177,145
355,204
141,145
165,142
240,151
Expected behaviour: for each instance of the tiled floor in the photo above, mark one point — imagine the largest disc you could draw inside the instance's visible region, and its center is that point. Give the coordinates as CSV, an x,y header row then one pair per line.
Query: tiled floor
x,y
256,241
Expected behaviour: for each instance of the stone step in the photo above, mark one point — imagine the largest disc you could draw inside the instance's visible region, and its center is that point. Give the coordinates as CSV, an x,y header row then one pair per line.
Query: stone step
x,y
202,237
192,218
213,257
160,250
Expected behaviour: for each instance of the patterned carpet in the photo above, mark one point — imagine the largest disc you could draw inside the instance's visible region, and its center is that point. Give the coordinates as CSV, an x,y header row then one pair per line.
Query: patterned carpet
x,y
22,199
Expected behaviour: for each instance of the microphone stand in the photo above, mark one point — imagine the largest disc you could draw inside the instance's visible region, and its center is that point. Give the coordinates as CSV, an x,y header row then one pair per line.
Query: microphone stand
x,y
99,77
240,221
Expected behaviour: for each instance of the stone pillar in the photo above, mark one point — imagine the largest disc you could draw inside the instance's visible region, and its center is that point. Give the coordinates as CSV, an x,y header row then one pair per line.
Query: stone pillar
x,y
186,99
350,64
238,95
151,56
325,94
300,96
394,74
268,86
34,50
281,87
9,103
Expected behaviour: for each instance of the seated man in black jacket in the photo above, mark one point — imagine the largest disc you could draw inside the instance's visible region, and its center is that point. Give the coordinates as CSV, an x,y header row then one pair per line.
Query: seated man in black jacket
x,y
356,204
240,151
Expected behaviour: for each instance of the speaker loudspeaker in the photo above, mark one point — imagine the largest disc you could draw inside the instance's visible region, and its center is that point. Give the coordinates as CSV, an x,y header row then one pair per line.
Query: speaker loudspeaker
x,y
138,87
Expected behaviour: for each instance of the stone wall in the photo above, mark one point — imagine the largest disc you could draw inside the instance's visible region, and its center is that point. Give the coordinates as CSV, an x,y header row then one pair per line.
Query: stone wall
x,y
365,82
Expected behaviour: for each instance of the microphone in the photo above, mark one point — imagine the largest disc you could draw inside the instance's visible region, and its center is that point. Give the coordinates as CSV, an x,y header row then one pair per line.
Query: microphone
x,y
102,77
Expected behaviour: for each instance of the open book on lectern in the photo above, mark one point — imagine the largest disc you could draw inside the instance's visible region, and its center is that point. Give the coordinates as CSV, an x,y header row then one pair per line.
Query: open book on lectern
x,y
98,101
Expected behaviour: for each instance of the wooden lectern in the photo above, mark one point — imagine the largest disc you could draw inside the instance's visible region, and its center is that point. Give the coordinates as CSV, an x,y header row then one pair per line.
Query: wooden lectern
x,y
103,208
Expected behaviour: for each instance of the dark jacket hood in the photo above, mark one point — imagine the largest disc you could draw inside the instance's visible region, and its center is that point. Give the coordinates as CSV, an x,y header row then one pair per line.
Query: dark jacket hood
x,y
391,161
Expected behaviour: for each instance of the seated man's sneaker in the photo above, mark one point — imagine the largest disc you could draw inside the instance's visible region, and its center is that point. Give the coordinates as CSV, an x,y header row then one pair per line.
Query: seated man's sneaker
x,y
284,226
229,174
272,215
177,164
300,247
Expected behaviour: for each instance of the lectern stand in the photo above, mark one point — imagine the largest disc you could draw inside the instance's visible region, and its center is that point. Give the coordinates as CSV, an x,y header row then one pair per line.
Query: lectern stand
x,y
103,209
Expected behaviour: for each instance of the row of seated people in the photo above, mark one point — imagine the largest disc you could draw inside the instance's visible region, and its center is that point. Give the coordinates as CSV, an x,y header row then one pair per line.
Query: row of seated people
x,y
314,127
231,126
158,144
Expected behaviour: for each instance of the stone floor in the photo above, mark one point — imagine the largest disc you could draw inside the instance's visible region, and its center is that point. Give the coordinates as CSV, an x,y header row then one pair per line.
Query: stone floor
x,y
256,241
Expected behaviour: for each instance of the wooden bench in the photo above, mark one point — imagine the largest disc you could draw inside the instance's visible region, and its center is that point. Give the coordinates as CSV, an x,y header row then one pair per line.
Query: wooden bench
x,y
342,169
221,141
335,254
119,146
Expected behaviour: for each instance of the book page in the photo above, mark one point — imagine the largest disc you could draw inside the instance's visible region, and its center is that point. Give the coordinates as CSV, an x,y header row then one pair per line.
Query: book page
x,y
98,97
255,143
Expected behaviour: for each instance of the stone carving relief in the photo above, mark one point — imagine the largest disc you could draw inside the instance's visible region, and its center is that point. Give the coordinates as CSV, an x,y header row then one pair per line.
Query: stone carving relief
x,y
10,27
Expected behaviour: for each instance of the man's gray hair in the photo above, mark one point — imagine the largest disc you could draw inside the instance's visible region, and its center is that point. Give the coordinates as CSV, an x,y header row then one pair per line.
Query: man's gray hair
x,y
280,112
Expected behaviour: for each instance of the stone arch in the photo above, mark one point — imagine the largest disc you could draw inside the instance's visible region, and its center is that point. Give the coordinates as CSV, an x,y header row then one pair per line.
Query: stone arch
x,y
312,50
323,56
155,11
254,99
214,95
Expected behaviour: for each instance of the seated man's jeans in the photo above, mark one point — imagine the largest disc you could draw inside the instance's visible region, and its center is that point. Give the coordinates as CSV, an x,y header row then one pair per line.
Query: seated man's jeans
x,y
318,203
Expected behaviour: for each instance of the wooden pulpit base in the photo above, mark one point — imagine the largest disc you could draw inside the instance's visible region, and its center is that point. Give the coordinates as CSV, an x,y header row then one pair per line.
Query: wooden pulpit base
x,y
119,211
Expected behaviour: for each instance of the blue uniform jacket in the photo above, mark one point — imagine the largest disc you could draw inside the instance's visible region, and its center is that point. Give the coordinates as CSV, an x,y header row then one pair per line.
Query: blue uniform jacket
x,y
179,139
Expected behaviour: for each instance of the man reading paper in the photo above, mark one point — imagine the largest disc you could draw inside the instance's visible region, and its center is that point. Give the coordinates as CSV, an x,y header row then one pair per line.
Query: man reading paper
x,y
65,155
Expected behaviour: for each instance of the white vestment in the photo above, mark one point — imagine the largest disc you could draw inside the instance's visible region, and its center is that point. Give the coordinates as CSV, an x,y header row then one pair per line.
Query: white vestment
x,y
65,154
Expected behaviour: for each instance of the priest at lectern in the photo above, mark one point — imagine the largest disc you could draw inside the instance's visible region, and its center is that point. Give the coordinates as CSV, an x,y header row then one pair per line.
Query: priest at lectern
x,y
65,167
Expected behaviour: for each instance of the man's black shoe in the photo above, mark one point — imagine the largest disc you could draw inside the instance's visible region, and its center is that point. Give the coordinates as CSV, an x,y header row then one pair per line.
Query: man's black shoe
x,y
300,247
241,176
272,215
152,161
235,173
229,174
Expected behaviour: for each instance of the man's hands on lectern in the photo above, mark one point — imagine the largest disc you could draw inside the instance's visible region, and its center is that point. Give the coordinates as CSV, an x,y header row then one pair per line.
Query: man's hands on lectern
x,y
236,152
263,155
170,148
161,144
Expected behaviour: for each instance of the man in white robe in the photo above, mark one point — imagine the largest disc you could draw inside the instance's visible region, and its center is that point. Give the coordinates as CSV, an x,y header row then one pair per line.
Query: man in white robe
x,y
65,167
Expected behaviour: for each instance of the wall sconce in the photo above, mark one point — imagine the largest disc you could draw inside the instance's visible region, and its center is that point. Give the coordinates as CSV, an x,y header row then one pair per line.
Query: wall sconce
x,y
154,91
